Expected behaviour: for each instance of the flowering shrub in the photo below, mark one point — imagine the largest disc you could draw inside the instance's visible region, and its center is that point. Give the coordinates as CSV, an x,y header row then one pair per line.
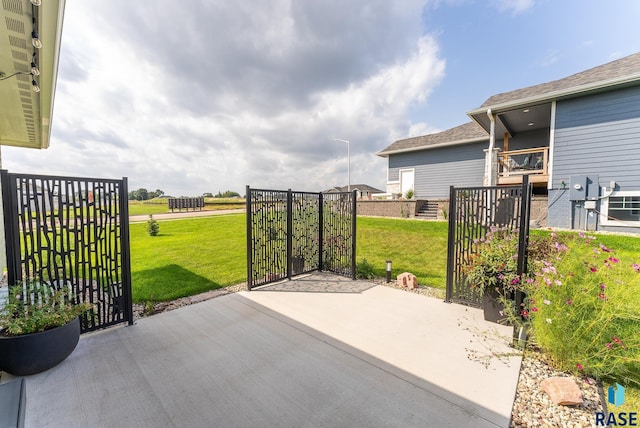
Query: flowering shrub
x,y
584,309
495,264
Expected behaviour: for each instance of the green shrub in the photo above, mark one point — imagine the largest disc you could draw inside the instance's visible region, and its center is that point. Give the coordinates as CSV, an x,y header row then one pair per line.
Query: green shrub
x,y
364,270
583,308
410,194
34,307
153,228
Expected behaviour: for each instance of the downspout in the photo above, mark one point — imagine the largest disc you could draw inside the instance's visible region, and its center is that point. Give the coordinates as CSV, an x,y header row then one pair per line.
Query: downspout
x,y
490,176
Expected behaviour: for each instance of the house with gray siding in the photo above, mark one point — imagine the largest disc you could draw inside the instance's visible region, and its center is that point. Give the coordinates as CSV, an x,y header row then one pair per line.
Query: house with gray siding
x,y
576,138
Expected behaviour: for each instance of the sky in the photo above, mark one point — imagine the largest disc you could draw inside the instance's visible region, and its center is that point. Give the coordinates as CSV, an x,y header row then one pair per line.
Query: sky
x,y
198,96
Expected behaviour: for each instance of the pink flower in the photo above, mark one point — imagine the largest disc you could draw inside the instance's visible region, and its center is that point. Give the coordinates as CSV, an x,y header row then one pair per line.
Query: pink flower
x,y
602,296
579,366
636,267
531,280
524,313
581,234
569,302
593,269
613,260
558,282
534,309
515,280
605,249
602,286
609,345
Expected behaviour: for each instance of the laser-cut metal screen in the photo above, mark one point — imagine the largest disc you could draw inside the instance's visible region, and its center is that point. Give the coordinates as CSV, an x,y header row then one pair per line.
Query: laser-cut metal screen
x,y
73,232
472,212
290,233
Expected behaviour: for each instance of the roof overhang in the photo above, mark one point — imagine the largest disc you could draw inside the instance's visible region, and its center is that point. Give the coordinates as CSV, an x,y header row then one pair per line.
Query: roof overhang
x,y
25,115
386,153
533,112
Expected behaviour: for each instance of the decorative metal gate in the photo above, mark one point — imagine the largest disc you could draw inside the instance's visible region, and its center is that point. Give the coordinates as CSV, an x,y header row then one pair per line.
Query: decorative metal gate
x,y
290,233
71,232
472,212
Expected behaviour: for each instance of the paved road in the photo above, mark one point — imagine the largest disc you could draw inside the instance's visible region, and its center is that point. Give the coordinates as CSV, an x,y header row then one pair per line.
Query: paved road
x,y
184,214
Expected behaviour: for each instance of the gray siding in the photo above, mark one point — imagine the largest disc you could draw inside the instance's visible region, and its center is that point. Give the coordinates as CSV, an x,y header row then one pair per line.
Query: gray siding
x,y
598,134
559,212
437,169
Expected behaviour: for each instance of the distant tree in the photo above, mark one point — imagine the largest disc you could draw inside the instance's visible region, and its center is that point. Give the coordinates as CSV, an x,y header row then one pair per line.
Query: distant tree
x,y
227,194
207,195
139,195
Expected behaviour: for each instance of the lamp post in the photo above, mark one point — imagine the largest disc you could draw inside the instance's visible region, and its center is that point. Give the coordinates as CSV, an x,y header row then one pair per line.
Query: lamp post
x,y
348,162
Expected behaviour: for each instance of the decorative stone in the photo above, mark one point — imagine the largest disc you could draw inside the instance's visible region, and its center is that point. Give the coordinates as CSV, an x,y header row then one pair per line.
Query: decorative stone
x,y
407,280
562,390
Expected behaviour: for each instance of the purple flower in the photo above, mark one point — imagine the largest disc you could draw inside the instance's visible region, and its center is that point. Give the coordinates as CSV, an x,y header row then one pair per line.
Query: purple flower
x,y
605,249
636,267
613,260
602,286
581,234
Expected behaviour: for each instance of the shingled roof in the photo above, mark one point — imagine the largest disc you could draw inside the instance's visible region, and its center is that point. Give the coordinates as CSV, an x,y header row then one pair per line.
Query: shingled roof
x,y
624,67
468,132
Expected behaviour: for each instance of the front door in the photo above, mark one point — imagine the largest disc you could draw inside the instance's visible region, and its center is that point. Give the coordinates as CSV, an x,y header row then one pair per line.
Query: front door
x,y
406,181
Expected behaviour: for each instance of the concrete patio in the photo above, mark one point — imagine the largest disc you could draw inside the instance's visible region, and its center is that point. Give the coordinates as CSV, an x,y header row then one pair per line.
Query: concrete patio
x,y
319,351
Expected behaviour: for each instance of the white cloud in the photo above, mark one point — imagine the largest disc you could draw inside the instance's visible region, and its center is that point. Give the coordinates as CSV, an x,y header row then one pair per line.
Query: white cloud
x,y
205,96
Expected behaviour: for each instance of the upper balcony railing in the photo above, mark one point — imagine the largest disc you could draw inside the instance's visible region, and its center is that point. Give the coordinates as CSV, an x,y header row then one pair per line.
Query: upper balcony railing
x,y
513,164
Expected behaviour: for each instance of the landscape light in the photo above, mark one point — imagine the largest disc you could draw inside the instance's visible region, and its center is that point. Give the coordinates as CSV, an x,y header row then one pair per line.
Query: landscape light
x,y
388,270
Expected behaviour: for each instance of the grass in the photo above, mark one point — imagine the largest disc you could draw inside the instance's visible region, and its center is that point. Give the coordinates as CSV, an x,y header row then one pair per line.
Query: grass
x,y
419,247
194,255
161,206
187,257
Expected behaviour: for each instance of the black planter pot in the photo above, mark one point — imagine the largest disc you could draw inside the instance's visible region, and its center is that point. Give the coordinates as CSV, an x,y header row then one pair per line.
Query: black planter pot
x,y
37,352
492,306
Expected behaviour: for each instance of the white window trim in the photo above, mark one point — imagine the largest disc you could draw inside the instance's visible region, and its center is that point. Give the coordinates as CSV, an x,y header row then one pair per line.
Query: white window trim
x,y
604,209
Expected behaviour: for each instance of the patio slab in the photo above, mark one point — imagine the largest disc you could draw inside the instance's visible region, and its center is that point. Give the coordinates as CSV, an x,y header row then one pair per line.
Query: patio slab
x,y
313,352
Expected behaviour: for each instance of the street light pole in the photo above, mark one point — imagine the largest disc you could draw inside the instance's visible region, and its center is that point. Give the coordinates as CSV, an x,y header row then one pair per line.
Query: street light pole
x,y
348,162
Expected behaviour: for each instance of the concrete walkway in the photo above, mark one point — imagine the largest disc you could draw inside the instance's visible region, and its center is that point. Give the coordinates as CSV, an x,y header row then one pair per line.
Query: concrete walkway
x,y
321,351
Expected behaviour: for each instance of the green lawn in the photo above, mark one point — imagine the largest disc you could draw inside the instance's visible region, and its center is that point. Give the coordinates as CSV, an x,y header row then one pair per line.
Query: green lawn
x,y
187,257
160,205
419,247
195,255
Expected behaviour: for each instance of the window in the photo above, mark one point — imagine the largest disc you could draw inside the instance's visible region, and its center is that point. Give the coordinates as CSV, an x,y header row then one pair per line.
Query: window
x,y
621,209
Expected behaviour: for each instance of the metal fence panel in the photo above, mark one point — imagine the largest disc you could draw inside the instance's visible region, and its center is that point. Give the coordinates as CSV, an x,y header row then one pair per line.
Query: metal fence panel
x,y
472,212
290,233
67,231
339,236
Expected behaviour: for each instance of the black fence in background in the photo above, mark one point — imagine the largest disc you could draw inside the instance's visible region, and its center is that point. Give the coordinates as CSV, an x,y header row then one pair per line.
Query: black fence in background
x,y
290,233
472,213
180,204
71,232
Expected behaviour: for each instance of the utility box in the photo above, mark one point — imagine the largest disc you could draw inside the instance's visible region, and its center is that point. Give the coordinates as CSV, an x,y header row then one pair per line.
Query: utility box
x,y
593,187
578,188
583,188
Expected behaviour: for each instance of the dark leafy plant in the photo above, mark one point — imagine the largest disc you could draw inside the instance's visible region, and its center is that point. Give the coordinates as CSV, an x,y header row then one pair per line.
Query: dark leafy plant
x,y
365,270
34,307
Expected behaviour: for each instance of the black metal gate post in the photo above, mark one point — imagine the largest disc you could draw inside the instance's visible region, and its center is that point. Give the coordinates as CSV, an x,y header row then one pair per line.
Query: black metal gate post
x,y
71,232
523,239
354,209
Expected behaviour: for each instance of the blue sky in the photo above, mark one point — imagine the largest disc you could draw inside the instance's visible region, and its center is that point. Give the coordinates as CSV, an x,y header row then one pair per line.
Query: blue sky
x,y
211,95
492,47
